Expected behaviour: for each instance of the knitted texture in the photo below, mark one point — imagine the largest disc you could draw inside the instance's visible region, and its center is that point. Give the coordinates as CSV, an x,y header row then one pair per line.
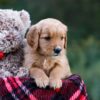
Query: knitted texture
x,y
15,88
13,25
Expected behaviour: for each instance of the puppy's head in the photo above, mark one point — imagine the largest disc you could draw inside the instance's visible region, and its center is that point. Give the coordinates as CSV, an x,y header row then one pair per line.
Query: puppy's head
x,y
48,37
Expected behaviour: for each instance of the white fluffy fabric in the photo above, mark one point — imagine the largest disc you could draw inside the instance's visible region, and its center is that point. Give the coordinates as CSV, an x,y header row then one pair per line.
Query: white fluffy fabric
x,y
13,26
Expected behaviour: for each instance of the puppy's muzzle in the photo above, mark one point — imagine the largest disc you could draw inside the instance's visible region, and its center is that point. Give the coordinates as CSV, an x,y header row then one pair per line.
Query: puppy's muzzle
x,y
57,51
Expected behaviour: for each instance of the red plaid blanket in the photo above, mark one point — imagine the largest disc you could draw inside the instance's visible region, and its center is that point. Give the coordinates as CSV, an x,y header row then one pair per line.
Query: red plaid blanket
x,y
14,88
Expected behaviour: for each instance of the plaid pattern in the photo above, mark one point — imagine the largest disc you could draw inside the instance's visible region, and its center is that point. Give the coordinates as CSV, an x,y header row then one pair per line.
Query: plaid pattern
x,y
15,88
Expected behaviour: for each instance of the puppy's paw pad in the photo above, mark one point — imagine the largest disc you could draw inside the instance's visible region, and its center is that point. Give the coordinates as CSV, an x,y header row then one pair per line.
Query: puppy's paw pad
x,y
55,83
42,82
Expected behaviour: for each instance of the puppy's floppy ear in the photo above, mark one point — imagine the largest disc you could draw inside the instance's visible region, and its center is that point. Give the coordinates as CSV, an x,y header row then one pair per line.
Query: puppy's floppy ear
x,y
66,30
33,37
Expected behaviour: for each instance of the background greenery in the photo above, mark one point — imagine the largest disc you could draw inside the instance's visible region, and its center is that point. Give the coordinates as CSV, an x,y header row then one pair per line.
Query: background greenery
x,y
83,20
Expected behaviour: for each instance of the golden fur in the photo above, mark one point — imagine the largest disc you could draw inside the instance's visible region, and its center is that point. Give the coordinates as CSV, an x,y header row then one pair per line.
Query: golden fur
x,y
46,67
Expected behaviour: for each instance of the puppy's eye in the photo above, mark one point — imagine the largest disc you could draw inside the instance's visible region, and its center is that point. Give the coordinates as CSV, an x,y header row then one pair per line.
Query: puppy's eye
x,y
47,38
62,38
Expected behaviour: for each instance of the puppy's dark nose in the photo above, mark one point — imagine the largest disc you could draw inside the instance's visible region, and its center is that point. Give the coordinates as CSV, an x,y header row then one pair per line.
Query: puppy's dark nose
x,y
57,50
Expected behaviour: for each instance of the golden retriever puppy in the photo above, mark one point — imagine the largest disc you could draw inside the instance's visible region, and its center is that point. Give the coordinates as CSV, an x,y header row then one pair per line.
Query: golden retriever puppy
x,y
45,53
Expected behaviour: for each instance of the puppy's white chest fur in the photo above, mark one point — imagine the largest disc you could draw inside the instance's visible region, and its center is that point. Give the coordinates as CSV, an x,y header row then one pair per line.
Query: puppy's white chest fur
x,y
48,64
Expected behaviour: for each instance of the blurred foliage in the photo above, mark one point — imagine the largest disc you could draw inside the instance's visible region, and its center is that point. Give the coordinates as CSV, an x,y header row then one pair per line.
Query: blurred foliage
x,y
84,58
83,20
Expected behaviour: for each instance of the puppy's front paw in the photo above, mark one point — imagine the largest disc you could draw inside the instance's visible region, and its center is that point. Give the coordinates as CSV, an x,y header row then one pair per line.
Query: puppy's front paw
x,y
55,83
42,82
